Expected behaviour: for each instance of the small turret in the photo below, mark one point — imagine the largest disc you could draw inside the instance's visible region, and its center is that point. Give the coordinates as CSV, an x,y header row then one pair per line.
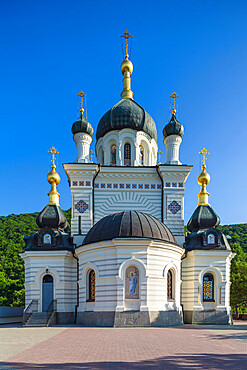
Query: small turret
x,y
83,132
172,134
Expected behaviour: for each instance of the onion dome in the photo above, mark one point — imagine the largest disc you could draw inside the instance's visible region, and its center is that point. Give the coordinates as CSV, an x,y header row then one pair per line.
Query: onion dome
x,y
128,224
52,216
204,217
82,125
173,127
126,114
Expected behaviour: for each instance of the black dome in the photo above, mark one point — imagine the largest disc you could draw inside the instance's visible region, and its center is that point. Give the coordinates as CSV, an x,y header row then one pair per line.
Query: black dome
x,y
126,114
52,216
173,128
203,218
82,125
128,224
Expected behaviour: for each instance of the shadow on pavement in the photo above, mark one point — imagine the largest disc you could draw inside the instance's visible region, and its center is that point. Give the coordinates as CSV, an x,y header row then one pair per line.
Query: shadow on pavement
x,y
195,361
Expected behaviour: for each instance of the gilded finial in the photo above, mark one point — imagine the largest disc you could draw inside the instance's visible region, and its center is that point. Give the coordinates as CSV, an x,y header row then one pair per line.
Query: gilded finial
x,y
126,69
81,94
91,152
203,180
126,35
54,179
174,96
159,152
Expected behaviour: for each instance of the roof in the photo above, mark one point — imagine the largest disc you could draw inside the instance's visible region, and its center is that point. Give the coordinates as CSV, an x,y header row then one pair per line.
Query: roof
x,y
126,114
128,224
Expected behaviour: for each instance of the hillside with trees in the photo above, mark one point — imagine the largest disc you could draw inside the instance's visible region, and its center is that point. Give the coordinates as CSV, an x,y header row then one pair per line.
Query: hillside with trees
x,y
14,227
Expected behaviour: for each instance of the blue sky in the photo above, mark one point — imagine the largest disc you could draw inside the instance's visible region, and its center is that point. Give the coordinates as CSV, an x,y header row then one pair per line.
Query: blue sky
x,y
50,50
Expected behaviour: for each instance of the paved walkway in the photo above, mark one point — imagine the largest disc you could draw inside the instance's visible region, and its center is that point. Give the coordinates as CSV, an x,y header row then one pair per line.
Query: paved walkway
x,y
207,347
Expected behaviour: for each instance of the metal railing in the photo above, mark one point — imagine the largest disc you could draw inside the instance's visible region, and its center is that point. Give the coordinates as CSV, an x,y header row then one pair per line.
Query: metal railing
x,y
32,307
51,308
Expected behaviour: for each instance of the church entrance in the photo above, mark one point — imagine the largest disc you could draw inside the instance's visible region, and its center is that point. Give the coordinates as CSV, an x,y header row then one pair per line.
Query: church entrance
x,y
47,292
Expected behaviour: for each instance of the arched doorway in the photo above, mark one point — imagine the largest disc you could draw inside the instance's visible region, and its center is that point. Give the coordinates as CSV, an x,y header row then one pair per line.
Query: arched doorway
x,y
47,291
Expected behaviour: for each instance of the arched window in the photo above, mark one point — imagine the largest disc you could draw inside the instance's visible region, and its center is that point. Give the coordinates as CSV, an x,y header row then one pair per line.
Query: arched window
x,y
132,283
141,156
127,154
208,287
113,154
91,286
169,286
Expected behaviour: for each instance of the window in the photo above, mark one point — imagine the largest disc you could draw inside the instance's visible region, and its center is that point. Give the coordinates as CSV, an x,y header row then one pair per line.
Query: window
x,y
103,157
91,286
113,154
208,287
141,156
127,154
169,286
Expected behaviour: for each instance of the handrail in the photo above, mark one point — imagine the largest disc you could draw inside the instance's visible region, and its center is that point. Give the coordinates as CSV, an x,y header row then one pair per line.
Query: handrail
x,y
32,307
51,308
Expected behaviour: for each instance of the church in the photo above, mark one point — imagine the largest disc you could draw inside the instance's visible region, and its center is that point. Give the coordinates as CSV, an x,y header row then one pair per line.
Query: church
x,y
127,260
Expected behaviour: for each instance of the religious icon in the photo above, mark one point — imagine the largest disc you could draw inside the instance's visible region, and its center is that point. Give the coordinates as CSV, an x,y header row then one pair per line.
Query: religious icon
x,y
113,154
132,283
211,239
47,239
141,156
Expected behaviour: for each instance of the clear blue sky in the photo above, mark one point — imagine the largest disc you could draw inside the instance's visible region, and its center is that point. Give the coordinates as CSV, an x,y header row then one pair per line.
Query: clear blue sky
x,y
50,50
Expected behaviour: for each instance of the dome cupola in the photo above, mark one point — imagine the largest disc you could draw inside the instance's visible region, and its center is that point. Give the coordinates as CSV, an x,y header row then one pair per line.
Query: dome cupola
x,y
82,125
173,128
128,224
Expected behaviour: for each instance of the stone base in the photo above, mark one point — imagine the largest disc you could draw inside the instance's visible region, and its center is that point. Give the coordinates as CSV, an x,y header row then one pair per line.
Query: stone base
x,y
219,317
130,319
65,318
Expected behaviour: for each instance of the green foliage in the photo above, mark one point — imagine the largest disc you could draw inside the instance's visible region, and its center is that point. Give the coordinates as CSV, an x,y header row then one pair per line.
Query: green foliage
x,y
239,280
12,230
238,233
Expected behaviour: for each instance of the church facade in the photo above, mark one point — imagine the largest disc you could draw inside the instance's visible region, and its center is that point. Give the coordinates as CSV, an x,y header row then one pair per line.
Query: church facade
x,y
127,261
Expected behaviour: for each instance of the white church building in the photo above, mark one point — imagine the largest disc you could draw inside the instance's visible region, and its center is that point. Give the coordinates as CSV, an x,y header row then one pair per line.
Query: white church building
x,y
127,261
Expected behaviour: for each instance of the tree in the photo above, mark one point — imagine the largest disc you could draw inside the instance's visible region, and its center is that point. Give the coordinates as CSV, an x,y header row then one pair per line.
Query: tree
x,y
239,279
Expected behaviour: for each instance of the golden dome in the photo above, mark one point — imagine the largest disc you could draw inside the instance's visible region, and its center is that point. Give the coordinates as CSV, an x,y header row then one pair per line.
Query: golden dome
x,y
53,177
204,177
126,66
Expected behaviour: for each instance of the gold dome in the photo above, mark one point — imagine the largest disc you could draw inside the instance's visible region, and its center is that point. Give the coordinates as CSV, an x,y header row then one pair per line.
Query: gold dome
x,y
204,177
126,66
53,177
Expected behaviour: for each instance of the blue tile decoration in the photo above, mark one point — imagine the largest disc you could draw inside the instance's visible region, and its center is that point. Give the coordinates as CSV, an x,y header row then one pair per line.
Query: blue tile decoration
x,y
88,183
75,183
134,186
81,183
168,184
121,186
96,186
174,207
102,186
159,186
115,186
140,186
127,186
109,186
81,206
174,184
146,186
152,186
180,185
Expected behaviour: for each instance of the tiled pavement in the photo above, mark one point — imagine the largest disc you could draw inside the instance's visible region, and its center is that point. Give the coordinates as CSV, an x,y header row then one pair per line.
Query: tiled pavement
x,y
215,347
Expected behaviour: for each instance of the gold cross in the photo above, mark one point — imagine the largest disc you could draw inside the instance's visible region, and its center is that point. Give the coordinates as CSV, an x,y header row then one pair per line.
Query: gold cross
x,y
53,151
174,96
159,152
126,35
81,94
91,152
204,152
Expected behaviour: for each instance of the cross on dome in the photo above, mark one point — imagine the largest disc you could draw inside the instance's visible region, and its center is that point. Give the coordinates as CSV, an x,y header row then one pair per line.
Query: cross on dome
x,y
53,151
174,95
204,152
81,94
126,35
